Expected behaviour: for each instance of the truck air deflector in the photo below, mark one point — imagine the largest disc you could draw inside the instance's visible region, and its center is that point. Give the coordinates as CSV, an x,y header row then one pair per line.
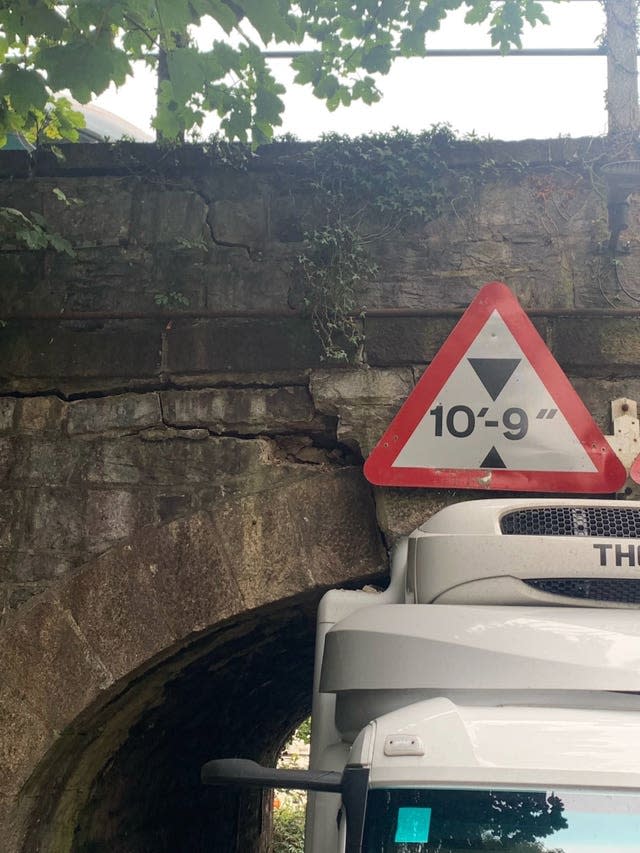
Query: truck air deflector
x,y
485,648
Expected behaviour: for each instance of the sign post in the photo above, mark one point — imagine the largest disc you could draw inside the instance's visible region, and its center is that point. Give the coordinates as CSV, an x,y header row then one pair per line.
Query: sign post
x,y
494,410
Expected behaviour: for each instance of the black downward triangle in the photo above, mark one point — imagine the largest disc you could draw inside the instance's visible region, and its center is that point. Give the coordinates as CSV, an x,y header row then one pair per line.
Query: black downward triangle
x,y
492,460
494,373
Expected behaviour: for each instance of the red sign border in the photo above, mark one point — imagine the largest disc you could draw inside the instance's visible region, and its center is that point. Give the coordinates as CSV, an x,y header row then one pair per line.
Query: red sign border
x,y
610,473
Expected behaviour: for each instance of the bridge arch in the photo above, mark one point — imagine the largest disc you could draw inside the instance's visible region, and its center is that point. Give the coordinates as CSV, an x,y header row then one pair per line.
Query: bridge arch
x,y
190,641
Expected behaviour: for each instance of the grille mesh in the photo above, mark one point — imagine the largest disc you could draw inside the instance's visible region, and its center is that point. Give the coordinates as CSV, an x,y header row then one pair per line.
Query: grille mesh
x,y
602,521
622,590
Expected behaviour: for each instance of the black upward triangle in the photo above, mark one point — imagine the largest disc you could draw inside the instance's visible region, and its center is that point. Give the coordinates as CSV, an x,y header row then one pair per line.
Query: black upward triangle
x,y
494,373
492,460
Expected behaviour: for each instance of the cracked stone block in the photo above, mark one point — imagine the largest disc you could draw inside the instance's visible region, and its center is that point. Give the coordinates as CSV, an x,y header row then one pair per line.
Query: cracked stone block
x,y
365,401
121,412
243,222
241,410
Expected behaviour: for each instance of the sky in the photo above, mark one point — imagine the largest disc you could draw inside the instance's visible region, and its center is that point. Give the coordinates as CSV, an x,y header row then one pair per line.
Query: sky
x,y
504,98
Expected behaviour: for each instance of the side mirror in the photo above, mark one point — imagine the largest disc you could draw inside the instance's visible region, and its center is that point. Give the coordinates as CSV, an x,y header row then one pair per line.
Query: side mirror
x,y
248,774
352,784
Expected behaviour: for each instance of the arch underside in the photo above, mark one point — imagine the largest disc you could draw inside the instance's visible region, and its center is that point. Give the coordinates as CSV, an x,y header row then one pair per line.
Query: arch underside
x,y
191,641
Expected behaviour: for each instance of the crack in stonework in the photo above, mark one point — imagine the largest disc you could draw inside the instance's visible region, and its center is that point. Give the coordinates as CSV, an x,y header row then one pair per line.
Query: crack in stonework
x,y
227,244
169,385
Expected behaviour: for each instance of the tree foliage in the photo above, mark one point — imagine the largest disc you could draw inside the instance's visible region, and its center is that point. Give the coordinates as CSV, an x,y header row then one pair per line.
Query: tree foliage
x,y
82,46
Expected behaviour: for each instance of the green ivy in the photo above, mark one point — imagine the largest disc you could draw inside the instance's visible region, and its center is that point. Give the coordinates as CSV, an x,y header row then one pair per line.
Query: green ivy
x,y
365,189
31,231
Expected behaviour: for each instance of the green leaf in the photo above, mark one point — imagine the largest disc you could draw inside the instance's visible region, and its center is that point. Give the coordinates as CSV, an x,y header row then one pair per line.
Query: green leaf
x,y
85,67
219,11
412,42
25,89
479,12
308,67
268,106
268,19
174,16
185,71
377,59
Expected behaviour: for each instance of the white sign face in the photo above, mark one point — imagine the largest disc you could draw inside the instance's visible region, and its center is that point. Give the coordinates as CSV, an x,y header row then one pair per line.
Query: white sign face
x,y
494,412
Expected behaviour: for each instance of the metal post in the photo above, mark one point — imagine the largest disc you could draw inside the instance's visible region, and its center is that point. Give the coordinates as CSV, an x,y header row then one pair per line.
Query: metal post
x,y
622,69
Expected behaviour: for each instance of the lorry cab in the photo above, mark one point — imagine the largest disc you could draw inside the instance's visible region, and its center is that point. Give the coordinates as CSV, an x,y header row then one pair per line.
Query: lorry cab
x,y
489,698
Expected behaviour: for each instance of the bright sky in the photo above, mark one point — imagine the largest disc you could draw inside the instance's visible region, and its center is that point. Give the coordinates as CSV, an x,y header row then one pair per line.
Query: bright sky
x,y
506,98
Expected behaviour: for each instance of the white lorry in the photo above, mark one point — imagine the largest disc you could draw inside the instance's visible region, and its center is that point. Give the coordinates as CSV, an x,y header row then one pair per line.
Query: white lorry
x,y
489,699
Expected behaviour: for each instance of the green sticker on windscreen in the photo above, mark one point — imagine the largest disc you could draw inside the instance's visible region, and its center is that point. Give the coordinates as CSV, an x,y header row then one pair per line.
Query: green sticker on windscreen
x,y
413,825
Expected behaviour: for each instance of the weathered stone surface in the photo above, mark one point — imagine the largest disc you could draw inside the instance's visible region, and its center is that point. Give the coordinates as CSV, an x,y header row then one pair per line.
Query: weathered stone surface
x,y
174,462
235,345
598,396
24,733
64,671
597,345
22,283
47,460
36,566
99,278
365,401
114,514
132,605
93,213
273,539
121,412
392,341
11,506
50,350
241,222
37,414
7,408
400,511
54,519
7,449
236,279
238,410
168,216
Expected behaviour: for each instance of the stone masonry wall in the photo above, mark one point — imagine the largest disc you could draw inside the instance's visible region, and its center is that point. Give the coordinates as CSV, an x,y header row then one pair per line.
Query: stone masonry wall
x,y
169,363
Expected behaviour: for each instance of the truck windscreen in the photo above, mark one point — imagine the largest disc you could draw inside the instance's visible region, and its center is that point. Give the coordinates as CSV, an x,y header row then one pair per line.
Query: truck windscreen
x,y
421,820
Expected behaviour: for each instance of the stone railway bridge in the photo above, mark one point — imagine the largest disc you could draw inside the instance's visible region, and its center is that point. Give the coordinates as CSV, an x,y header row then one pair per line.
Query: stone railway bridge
x,y
181,467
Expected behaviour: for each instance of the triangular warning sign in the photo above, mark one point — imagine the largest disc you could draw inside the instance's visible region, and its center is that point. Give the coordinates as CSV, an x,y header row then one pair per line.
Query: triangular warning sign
x,y
495,411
